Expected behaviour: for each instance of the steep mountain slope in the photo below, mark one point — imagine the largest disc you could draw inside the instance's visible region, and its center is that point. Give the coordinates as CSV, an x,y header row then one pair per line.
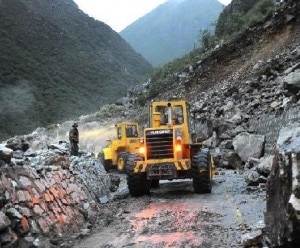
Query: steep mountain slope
x,y
228,63
240,82
172,29
57,63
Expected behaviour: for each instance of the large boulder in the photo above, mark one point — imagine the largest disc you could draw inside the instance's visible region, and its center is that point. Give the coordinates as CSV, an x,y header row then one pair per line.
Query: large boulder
x,y
249,145
5,153
265,165
283,190
291,82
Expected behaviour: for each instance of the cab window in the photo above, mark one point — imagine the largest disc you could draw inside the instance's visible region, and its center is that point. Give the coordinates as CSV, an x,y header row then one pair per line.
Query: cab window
x,y
119,132
131,131
177,114
163,110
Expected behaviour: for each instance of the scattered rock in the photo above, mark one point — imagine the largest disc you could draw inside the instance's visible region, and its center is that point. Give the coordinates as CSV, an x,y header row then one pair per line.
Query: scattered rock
x,y
4,221
253,239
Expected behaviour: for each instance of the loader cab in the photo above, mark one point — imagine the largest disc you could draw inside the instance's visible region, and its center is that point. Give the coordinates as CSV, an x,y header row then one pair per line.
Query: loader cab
x,y
172,114
127,130
166,114
127,141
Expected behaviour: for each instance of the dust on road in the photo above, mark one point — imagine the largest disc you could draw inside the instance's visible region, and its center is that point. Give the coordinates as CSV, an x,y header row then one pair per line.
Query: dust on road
x,y
174,216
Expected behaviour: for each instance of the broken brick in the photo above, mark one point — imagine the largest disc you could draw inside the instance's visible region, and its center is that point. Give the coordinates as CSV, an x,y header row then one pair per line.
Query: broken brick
x,y
35,201
61,192
65,201
44,225
48,197
54,192
38,210
25,225
60,219
39,185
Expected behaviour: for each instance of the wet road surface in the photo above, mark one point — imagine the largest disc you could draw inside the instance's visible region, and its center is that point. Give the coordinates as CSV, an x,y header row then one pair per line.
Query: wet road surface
x,y
174,216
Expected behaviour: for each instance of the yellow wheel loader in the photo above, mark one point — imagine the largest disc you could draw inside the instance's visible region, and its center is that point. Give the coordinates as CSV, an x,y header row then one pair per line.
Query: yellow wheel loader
x,y
169,150
115,155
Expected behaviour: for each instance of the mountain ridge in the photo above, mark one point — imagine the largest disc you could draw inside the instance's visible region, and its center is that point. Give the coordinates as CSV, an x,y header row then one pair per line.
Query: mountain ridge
x,y
158,36
58,63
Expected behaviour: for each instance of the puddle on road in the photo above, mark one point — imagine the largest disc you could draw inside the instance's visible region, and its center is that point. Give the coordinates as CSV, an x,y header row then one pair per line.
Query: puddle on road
x,y
173,224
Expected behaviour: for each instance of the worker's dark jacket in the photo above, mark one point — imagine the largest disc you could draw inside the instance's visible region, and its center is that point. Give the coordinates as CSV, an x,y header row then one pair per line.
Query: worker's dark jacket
x,y
74,135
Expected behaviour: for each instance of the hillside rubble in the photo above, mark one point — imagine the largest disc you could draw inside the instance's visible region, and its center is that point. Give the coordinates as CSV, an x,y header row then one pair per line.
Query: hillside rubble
x,y
229,91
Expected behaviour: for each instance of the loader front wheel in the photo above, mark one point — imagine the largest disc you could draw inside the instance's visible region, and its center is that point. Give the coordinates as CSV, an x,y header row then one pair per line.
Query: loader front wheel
x,y
122,160
154,183
137,183
201,171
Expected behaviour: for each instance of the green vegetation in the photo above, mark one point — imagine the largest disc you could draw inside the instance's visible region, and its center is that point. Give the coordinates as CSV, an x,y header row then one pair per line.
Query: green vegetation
x,y
234,20
57,64
240,15
110,110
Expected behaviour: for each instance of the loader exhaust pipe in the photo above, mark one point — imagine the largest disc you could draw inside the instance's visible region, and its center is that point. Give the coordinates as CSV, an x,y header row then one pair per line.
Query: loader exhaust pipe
x,y
169,113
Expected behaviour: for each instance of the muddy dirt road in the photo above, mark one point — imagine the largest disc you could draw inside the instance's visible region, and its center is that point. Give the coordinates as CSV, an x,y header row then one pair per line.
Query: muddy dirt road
x,y
173,216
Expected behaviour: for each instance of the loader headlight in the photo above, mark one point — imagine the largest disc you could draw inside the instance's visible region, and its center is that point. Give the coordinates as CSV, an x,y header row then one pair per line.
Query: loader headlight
x,y
142,149
178,145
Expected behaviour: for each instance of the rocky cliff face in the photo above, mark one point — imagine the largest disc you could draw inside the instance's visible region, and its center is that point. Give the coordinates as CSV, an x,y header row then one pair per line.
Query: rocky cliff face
x,y
283,198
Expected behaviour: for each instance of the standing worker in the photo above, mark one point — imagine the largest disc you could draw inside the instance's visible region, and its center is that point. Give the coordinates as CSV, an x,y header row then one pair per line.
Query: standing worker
x,y
74,139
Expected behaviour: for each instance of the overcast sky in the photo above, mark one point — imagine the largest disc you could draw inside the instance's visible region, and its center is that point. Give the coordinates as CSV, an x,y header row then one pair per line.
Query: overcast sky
x,y
118,14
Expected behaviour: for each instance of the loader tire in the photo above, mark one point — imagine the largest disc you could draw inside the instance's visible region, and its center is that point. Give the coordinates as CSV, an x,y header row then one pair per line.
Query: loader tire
x,y
137,183
154,183
121,161
201,172
107,165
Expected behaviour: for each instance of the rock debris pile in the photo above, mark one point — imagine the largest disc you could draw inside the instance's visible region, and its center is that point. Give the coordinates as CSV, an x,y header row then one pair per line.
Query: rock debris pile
x,y
48,193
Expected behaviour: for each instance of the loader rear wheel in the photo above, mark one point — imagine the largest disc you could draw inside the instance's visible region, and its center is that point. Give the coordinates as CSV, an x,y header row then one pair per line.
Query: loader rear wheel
x,y
201,171
137,183
122,160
